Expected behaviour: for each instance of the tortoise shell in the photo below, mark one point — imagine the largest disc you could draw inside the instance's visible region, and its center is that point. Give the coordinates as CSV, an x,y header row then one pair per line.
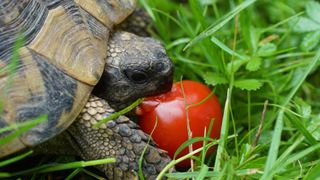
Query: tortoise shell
x,y
62,57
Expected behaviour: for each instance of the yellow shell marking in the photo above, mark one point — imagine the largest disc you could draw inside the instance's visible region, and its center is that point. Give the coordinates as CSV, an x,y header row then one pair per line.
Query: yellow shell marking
x,y
95,10
116,14
69,47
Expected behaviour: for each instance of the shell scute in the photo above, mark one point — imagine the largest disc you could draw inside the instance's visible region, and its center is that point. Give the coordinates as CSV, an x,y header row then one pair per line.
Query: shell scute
x,y
62,58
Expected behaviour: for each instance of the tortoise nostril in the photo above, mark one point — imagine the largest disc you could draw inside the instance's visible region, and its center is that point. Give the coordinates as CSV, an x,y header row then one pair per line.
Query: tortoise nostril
x,y
136,76
163,67
160,66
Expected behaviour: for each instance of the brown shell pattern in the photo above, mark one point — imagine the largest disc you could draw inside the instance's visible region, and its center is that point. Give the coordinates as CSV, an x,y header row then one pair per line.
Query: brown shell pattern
x,y
62,57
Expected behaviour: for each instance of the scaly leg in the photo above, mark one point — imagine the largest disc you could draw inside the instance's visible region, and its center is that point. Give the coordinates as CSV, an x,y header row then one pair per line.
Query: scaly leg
x,y
120,138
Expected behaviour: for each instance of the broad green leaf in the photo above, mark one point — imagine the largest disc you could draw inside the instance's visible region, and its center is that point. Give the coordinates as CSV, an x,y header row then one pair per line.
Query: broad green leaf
x,y
254,64
258,162
267,49
306,110
303,24
303,108
313,10
297,74
265,137
215,79
315,124
248,84
310,41
234,65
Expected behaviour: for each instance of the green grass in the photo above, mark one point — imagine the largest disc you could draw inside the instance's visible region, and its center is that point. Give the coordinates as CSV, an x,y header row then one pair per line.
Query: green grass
x,y
251,53
58,167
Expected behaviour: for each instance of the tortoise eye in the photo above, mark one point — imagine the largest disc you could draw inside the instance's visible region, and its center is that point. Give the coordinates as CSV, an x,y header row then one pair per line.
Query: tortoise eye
x,y
136,76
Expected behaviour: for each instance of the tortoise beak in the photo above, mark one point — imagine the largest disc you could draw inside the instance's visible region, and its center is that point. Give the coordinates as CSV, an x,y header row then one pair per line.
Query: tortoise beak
x,y
165,78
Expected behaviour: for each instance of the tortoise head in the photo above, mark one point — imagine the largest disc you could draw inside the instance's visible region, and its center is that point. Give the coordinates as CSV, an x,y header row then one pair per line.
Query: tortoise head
x,y
135,67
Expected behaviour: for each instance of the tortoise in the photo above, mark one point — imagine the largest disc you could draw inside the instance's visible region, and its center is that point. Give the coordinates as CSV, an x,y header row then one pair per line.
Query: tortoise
x,y
69,48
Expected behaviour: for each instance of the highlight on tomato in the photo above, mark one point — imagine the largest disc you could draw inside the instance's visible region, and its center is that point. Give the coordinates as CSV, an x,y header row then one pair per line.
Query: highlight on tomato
x,y
169,112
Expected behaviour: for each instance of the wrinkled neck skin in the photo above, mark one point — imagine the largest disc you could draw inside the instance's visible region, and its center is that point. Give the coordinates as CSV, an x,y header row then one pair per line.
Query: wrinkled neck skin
x,y
135,67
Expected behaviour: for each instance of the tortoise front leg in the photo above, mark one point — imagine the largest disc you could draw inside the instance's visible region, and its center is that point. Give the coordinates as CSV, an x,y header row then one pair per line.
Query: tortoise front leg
x,y
120,138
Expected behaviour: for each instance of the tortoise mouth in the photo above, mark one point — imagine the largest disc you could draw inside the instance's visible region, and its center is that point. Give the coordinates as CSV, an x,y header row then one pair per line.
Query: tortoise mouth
x,y
121,105
164,87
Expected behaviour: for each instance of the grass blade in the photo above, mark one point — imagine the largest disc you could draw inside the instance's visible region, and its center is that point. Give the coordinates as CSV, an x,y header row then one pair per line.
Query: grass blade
x,y
74,173
14,159
58,167
227,49
215,27
273,150
140,173
203,172
223,134
275,143
192,141
20,128
314,173
93,174
119,113
186,175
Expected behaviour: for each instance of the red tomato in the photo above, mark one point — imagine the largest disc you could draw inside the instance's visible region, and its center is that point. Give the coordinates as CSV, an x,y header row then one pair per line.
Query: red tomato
x,y
169,108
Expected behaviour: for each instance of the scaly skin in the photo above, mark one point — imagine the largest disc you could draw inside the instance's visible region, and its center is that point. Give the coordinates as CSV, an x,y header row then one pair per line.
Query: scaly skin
x,y
120,138
139,23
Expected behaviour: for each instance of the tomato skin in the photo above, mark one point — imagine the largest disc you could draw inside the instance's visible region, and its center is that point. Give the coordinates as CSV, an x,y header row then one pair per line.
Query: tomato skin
x,y
170,111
